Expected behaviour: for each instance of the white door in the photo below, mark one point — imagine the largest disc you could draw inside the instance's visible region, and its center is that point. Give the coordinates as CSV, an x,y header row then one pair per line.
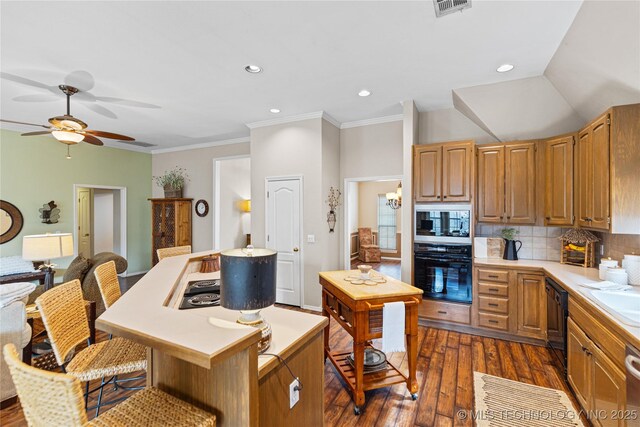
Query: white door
x,y
84,222
283,236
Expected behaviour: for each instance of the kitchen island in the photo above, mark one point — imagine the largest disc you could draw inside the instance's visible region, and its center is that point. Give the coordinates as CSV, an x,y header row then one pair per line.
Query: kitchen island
x,y
202,356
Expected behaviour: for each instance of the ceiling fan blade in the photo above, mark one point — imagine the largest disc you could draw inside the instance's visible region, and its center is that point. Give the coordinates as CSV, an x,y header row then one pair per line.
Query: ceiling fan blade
x,y
24,81
40,97
92,140
23,123
109,135
40,132
127,102
100,110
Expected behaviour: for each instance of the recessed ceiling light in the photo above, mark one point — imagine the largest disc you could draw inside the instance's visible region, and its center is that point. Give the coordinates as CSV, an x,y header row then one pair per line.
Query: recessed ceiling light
x,y
504,68
364,92
252,69
274,110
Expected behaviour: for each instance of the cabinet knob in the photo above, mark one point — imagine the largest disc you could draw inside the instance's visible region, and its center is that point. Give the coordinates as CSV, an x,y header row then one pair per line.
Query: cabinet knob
x,y
444,197
548,218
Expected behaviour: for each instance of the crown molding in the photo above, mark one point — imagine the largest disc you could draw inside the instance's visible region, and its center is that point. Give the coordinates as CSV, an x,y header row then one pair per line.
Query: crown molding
x,y
375,121
290,119
128,147
202,145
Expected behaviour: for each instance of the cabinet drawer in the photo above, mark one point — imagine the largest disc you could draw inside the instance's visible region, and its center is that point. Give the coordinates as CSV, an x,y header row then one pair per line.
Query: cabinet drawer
x,y
494,321
493,275
496,305
445,311
493,289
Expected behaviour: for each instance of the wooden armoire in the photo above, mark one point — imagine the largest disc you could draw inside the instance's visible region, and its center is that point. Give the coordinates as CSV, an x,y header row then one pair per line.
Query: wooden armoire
x,y
170,224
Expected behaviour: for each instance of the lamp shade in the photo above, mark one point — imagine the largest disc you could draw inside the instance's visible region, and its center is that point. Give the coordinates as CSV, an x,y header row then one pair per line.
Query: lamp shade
x,y
247,278
39,247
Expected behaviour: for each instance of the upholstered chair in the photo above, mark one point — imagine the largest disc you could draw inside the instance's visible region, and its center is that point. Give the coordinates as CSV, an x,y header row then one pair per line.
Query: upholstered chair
x,y
368,251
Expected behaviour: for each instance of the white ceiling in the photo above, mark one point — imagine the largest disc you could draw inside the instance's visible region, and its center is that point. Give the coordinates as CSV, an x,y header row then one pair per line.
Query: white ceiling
x,y
187,58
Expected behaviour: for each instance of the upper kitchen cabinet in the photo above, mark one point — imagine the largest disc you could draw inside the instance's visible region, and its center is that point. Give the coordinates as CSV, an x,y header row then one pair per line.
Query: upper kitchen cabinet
x,y
607,169
558,195
506,183
443,172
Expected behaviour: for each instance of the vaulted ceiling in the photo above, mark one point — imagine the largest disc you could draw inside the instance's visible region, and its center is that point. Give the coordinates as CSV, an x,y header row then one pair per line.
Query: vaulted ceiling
x,y
187,59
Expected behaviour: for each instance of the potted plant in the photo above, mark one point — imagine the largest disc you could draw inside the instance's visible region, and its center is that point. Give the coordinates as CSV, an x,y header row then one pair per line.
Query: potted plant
x,y
510,250
172,182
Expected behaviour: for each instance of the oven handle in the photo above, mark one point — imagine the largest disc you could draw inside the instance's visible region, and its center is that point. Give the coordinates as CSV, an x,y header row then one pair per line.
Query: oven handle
x,y
628,362
443,260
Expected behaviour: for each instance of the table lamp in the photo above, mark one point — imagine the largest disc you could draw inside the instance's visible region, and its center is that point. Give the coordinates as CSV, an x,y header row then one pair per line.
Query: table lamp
x,y
248,284
45,247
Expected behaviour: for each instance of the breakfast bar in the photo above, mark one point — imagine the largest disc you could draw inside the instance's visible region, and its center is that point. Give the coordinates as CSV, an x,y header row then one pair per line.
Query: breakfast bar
x,y
204,357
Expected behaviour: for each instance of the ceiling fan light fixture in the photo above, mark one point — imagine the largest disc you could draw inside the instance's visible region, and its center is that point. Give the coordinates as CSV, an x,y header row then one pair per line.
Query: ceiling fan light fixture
x,y
63,135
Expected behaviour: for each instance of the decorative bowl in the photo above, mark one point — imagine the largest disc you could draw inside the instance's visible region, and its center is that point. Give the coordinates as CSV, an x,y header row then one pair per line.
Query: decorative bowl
x,y
364,270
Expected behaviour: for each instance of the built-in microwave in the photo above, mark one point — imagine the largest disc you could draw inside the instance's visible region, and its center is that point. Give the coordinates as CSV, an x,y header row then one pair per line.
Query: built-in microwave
x,y
442,223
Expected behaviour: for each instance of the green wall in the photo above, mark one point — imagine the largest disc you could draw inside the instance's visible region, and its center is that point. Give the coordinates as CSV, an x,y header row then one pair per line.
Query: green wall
x,y
34,170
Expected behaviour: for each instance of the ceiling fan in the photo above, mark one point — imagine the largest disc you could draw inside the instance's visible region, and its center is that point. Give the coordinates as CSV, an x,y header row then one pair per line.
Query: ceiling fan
x,y
70,130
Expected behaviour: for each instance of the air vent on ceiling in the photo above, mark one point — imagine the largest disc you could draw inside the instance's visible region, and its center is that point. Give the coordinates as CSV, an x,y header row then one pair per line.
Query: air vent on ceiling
x,y
138,143
445,7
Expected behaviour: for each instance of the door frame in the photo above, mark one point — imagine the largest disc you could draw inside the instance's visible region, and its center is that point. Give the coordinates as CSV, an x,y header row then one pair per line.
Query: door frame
x,y
123,216
215,238
347,233
300,179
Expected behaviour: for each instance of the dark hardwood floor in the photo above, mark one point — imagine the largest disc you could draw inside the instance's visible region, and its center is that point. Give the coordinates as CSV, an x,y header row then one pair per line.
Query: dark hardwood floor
x,y
446,362
389,267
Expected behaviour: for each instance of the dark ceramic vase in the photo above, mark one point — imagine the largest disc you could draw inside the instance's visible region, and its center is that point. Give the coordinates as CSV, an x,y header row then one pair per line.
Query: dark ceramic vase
x,y
510,250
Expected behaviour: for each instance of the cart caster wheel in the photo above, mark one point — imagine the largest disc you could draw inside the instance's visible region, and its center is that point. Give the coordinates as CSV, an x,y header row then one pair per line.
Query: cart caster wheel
x,y
356,410
414,396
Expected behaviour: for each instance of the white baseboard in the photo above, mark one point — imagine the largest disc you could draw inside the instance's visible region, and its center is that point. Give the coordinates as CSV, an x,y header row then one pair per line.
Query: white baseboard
x,y
390,258
312,308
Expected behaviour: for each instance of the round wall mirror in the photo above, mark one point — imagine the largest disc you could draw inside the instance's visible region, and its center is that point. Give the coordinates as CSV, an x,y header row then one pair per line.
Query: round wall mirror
x,y
10,221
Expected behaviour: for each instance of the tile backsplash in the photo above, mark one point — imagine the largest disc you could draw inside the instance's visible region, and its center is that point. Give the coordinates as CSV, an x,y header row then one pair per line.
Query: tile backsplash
x,y
537,242
542,242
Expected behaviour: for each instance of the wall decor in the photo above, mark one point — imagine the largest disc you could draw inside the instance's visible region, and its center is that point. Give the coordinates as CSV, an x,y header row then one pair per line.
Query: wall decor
x,y
11,221
202,208
50,213
333,201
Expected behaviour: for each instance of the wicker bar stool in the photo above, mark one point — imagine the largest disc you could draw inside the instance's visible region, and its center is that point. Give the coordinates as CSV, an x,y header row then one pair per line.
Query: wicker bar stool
x,y
54,399
64,317
174,251
107,278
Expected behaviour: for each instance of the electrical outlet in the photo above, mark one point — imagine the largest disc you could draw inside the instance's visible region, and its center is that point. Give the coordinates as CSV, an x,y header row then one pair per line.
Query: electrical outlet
x,y
294,393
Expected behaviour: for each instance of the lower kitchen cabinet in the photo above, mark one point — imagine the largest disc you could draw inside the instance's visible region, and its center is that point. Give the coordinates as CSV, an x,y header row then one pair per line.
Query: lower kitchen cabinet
x,y
532,305
599,385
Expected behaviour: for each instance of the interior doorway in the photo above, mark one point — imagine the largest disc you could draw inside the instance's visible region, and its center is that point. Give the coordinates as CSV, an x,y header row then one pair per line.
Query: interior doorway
x,y
231,202
100,220
366,208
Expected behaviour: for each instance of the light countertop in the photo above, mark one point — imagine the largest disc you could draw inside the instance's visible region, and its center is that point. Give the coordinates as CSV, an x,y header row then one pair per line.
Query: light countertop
x,y
147,314
391,288
570,277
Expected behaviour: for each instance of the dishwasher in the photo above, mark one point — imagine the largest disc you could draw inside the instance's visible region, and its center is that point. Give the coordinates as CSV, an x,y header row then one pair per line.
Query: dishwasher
x,y
632,363
557,313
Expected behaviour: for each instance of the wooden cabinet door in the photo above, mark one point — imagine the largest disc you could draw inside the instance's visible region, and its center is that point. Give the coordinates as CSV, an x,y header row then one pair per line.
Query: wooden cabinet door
x,y
183,223
520,183
600,144
578,364
456,172
608,390
427,172
490,194
532,305
559,181
584,166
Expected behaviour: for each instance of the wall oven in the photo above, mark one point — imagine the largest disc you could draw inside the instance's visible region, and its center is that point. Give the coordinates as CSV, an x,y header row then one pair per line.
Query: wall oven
x,y
442,223
443,271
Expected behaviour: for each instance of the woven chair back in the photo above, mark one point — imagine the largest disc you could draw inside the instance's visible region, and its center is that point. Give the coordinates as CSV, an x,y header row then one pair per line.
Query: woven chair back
x,y
65,318
47,398
174,251
107,278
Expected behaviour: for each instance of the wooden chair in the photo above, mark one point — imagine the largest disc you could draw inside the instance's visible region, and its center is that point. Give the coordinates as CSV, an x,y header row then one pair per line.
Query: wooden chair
x,y
55,399
108,283
65,319
173,251
368,251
